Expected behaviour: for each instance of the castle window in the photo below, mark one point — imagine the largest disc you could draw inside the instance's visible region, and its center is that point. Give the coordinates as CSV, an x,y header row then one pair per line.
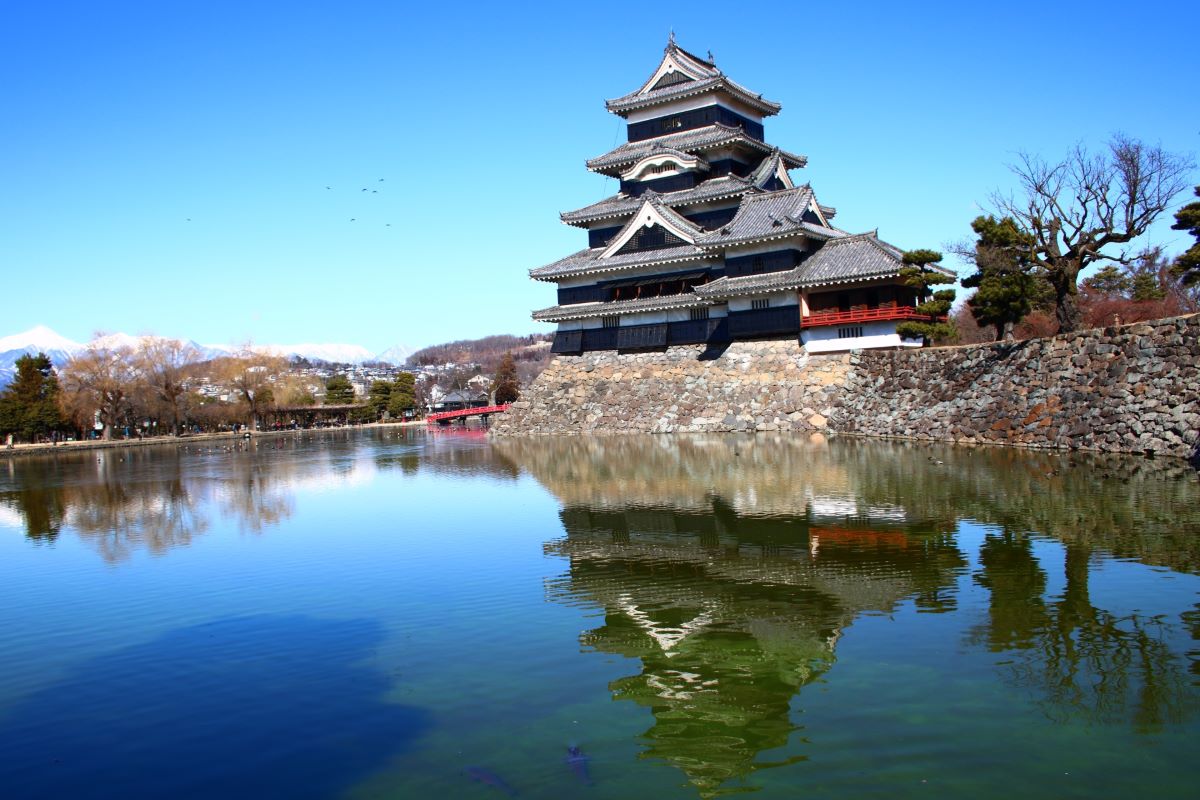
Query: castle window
x,y
610,322
852,332
758,305
699,313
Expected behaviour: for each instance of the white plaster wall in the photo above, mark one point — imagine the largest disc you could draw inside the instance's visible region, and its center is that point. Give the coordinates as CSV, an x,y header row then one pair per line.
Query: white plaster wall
x,y
644,318
778,300
875,334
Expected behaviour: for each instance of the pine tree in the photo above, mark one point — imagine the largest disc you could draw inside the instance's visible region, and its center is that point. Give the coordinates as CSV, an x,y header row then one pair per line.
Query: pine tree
x,y
505,382
30,405
1007,288
1187,266
403,395
338,391
378,396
917,273
1108,282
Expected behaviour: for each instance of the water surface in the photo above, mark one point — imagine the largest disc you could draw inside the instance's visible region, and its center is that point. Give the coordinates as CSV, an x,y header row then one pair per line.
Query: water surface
x,y
401,614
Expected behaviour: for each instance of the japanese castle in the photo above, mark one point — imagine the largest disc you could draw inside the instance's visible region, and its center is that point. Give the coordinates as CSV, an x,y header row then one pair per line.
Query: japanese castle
x,y
710,241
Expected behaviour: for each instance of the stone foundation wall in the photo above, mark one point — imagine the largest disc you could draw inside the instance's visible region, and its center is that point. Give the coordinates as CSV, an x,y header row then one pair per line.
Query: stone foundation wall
x,y
752,386
1135,388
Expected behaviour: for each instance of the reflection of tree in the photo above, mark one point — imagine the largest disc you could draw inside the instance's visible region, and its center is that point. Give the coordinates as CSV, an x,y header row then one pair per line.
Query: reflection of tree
x,y
1082,661
156,499
683,542
119,515
731,615
254,495
38,498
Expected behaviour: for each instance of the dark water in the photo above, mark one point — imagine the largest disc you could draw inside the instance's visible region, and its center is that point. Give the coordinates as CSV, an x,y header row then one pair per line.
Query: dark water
x,y
396,614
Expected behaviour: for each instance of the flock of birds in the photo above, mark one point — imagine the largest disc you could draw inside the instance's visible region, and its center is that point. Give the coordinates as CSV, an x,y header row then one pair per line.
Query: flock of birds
x,y
364,190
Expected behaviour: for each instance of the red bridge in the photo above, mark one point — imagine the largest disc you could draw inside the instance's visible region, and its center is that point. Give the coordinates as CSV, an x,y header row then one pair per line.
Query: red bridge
x,y
444,417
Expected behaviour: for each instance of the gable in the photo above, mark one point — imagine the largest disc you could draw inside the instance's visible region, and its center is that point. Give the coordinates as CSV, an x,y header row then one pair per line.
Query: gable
x,y
654,237
675,230
673,78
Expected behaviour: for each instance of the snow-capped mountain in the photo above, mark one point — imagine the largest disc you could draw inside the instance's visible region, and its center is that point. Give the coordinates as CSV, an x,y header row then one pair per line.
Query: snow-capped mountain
x,y
60,349
39,339
396,355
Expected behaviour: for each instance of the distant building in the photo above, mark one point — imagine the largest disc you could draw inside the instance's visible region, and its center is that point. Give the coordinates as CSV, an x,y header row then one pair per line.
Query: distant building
x,y
458,399
709,240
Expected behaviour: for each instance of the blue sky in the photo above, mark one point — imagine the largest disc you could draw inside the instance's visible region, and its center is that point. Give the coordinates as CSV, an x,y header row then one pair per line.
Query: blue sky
x,y
165,165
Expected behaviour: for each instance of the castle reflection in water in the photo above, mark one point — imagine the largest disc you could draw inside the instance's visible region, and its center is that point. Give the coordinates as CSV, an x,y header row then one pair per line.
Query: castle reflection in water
x,y
731,567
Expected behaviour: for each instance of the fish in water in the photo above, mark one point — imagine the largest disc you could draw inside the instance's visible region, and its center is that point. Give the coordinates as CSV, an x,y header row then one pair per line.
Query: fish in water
x,y
577,760
489,778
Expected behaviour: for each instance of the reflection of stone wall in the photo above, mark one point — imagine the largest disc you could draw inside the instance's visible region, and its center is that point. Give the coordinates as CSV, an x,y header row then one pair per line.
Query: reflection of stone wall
x,y
1133,508
770,474
1130,389
763,386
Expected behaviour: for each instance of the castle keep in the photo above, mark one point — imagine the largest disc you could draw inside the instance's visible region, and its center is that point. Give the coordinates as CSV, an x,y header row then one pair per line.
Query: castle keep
x,y
710,241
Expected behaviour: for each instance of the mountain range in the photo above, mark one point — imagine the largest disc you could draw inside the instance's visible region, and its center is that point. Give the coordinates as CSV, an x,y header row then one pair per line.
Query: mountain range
x,y
60,349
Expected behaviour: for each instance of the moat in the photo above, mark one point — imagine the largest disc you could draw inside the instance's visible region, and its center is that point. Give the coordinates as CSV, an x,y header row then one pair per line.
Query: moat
x,y
395,613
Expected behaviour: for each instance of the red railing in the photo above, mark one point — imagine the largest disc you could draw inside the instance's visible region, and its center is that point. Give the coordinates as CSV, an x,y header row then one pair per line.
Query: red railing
x,y
466,412
865,315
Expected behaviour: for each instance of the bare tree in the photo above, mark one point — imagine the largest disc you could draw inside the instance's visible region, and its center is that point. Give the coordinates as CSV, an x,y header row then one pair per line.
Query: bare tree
x,y
165,366
1081,210
99,381
252,374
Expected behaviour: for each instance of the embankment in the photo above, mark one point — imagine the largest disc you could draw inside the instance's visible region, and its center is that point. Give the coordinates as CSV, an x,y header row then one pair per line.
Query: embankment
x,y
1134,388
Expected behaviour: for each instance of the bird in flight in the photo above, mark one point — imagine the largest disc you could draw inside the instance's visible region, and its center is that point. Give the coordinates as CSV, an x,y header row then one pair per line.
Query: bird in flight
x,y
328,187
352,219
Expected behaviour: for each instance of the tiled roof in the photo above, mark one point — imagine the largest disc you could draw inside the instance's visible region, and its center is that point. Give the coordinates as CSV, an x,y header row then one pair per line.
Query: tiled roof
x,y
692,141
705,77
588,310
752,284
589,261
855,258
845,259
712,189
632,102
623,205
769,215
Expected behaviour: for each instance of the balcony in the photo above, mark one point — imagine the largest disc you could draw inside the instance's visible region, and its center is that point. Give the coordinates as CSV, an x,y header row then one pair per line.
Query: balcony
x,y
823,318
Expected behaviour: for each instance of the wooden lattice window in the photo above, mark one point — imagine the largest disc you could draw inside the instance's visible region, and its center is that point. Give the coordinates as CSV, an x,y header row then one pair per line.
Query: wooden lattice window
x,y
652,238
610,322
761,303
699,313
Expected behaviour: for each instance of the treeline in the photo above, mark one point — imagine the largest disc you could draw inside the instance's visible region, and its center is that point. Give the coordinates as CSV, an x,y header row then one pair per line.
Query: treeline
x,y
165,386
1080,213
486,352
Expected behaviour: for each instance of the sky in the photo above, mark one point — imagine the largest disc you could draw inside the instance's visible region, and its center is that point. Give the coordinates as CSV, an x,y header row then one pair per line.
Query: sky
x,y
197,169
